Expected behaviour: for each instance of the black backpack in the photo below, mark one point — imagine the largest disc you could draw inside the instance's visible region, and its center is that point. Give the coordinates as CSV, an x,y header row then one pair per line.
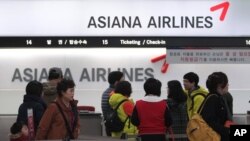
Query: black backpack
x,y
113,122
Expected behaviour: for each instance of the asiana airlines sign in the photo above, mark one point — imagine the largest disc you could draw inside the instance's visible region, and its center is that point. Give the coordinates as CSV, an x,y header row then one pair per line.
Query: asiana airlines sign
x,y
97,74
124,18
159,22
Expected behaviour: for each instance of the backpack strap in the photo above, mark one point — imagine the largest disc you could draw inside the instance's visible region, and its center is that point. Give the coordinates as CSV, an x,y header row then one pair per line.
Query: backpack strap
x,y
65,120
192,99
119,104
204,102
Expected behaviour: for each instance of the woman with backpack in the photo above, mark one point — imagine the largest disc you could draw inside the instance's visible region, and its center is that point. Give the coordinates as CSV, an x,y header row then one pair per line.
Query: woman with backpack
x,y
120,98
215,111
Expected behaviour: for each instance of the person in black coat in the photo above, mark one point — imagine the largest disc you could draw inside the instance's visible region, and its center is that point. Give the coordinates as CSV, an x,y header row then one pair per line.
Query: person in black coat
x,y
32,100
215,111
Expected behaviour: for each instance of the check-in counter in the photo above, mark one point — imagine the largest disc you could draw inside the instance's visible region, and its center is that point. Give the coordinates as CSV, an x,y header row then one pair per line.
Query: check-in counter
x,y
91,128
6,122
91,123
242,119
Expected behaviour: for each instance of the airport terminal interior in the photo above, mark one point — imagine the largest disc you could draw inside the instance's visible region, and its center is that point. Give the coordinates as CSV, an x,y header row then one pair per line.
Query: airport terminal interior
x,y
161,39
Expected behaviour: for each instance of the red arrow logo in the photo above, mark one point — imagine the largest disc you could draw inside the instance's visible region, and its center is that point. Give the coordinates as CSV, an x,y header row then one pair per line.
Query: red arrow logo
x,y
165,65
224,6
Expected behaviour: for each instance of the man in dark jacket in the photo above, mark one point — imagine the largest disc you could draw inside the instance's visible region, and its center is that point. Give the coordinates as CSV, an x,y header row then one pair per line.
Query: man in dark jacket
x,y
113,78
32,100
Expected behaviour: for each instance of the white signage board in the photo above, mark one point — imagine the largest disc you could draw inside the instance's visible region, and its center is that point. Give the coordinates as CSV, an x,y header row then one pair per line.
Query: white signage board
x,y
123,18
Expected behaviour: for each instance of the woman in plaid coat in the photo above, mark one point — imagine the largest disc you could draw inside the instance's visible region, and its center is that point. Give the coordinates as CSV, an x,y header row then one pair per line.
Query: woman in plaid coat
x,y
177,105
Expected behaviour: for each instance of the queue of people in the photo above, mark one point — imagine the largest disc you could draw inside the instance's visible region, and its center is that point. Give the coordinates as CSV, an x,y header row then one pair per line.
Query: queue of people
x,y
149,118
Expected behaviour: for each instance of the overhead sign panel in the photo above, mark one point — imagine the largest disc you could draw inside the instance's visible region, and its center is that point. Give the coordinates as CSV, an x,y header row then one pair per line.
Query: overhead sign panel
x,y
124,18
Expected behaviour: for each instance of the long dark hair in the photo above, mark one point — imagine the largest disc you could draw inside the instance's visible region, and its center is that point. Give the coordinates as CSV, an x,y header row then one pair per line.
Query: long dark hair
x,y
215,80
176,92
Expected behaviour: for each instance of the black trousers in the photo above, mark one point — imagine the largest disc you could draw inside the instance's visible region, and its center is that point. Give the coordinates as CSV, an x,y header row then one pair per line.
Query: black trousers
x,y
152,137
108,132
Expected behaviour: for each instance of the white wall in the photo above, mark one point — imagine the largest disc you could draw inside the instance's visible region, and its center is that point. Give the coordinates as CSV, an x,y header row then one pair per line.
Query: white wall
x,y
89,92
